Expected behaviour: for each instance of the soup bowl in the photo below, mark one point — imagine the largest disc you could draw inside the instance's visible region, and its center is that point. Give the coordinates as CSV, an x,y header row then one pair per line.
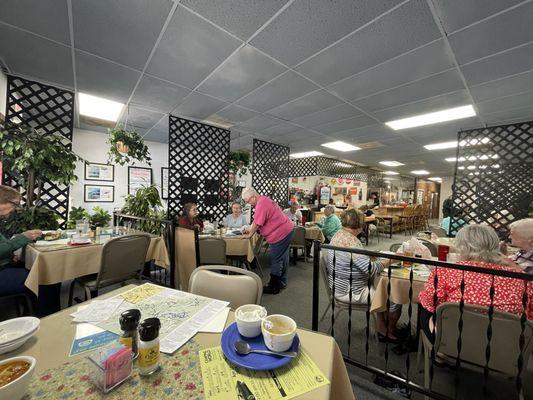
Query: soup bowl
x,y
16,389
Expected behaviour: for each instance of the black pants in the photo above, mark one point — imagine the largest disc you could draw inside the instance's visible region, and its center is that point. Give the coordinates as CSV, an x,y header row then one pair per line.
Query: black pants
x,y
425,317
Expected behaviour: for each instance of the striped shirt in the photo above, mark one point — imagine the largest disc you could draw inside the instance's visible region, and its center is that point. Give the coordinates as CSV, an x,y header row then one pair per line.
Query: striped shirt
x,y
525,260
362,267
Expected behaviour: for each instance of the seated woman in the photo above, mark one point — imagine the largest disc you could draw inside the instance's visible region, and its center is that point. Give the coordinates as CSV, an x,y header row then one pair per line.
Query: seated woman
x,y
12,278
478,246
364,269
236,219
189,218
330,223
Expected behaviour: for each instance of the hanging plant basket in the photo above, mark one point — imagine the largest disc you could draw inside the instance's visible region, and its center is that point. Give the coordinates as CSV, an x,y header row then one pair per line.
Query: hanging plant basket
x,y
127,147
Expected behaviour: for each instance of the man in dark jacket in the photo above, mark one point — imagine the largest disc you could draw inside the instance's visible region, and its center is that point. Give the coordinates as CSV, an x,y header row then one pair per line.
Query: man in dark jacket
x,y
447,206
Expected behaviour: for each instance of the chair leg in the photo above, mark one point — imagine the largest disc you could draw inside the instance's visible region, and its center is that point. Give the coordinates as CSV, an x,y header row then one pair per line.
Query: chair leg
x,y
71,293
325,312
29,304
88,295
419,353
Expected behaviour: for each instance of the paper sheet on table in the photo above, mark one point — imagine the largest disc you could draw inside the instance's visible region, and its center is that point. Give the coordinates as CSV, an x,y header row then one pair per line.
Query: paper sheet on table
x,y
89,337
217,324
52,242
142,292
97,310
220,378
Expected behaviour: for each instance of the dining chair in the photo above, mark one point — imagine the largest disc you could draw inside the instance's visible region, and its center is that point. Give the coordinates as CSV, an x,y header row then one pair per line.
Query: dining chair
x,y
431,246
223,282
123,258
394,247
22,302
257,252
504,354
437,230
298,241
406,219
212,251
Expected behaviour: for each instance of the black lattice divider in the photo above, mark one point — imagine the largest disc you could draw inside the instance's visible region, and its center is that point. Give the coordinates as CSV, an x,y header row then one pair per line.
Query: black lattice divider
x,y
49,110
198,168
307,166
494,175
270,170
313,166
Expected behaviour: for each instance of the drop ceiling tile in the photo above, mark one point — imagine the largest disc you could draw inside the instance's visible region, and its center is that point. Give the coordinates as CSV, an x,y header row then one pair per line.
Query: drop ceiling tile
x,y
439,132
258,124
368,133
93,128
48,18
446,82
284,88
506,30
506,103
124,31
105,79
456,99
307,104
244,71
240,17
307,26
515,115
30,55
281,129
235,114
332,114
425,61
499,65
346,124
198,106
140,117
456,14
403,29
159,133
190,49
158,94
503,87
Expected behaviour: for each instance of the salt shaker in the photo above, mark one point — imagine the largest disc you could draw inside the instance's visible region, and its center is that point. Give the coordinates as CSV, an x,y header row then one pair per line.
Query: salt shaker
x,y
149,346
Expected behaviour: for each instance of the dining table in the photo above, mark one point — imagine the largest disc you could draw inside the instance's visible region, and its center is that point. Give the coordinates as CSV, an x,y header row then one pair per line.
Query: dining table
x,y
59,376
57,261
236,246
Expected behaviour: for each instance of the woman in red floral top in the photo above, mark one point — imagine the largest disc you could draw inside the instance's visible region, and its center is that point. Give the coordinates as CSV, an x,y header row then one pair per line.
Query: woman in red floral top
x,y
477,245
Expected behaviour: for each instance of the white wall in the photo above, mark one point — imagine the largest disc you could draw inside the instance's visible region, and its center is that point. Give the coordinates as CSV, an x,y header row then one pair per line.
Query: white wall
x,y
3,91
92,147
445,191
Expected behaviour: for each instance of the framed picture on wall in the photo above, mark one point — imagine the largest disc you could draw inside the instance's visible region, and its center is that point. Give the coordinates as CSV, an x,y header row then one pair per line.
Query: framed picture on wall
x,y
99,172
164,183
138,177
99,193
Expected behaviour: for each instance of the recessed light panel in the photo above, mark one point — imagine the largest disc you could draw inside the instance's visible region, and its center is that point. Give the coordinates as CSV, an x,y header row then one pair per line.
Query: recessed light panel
x,y
390,173
449,114
435,179
99,108
306,154
391,163
341,146
420,172
441,146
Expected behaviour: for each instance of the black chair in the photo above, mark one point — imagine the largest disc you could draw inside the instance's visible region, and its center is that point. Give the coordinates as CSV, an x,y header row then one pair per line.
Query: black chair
x,y
22,301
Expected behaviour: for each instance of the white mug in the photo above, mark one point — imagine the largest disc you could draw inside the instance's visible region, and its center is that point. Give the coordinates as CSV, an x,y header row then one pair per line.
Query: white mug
x,y
278,332
248,318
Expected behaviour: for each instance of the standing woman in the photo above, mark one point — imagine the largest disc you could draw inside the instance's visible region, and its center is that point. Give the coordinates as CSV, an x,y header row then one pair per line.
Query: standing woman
x,y
277,229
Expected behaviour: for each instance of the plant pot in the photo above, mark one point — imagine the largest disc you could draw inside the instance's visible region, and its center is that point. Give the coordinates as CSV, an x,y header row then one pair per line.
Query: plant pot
x,y
122,148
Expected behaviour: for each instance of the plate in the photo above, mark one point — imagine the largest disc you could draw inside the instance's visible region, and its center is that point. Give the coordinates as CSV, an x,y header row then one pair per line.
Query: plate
x,y
17,329
254,361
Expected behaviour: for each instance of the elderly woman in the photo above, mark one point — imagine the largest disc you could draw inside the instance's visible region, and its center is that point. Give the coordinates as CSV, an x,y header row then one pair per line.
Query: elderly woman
x,y
294,214
12,278
330,224
277,229
522,237
236,219
478,246
363,270
189,218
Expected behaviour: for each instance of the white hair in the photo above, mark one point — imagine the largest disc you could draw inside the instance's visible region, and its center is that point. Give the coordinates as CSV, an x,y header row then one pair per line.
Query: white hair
x,y
478,243
329,207
248,192
523,227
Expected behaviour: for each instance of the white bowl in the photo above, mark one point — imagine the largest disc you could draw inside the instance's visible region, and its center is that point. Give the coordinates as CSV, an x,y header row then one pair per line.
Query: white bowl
x,y
17,389
250,326
278,341
13,330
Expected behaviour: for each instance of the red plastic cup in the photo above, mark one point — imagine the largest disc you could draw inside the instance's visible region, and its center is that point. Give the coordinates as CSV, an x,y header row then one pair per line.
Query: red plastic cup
x,y
443,251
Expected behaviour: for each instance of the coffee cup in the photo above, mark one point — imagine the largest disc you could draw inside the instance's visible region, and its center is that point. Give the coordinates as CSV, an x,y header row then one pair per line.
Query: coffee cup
x,y
278,332
248,318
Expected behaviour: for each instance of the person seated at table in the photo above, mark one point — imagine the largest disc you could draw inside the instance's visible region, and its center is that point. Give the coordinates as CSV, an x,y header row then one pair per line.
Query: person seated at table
x,y
477,246
12,278
522,237
294,214
330,224
364,268
367,211
458,223
236,219
189,218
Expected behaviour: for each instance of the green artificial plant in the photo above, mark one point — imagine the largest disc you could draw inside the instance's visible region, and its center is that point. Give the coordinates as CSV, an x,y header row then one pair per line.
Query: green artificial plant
x,y
239,162
24,219
146,203
127,146
99,218
76,214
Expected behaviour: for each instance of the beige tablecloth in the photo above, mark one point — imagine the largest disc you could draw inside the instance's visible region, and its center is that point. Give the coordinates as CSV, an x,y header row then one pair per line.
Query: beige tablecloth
x,y
314,233
55,264
399,293
51,350
240,247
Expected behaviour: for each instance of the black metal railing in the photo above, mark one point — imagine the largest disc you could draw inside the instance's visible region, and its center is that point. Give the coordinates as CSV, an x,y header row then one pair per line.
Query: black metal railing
x,y
160,227
380,366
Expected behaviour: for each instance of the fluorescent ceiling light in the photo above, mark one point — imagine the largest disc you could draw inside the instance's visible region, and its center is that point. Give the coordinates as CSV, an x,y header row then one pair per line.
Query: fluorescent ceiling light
x,y
420,172
341,146
472,158
391,173
436,179
97,107
449,114
306,154
391,163
343,164
441,146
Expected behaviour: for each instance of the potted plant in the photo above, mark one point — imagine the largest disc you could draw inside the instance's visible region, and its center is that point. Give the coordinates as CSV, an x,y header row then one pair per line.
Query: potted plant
x,y
33,158
146,203
99,218
76,214
127,146
238,162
